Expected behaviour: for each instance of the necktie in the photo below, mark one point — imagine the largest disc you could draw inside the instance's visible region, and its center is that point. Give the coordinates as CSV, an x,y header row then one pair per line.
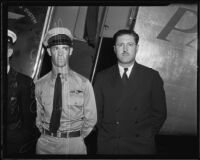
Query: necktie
x,y
125,77
57,106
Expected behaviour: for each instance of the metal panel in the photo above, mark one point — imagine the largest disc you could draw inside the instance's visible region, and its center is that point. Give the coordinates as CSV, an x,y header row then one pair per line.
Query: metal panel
x,y
117,18
28,23
72,17
168,43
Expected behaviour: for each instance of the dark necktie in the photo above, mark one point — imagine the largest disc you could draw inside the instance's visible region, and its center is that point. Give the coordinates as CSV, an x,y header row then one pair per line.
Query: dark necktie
x,y
125,77
57,106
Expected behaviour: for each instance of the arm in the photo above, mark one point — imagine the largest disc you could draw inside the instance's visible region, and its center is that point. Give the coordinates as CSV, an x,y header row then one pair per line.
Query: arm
x,y
28,103
39,109
159,110
90,113
99,99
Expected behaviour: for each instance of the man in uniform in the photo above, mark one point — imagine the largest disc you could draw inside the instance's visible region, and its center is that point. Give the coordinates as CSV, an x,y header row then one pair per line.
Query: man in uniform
x,y
21,110
66,107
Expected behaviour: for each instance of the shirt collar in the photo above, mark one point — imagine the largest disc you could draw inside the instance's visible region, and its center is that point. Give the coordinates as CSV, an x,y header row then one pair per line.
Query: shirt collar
x,y
121,70
65,73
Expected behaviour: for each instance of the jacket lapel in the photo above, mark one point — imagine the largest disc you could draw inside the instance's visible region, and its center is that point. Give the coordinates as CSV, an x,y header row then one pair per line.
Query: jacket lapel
x,y
117,86
134,80
126,93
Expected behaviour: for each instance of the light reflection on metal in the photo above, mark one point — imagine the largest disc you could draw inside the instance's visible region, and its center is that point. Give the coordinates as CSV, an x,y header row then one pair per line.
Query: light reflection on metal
x,y
164,47
132,17
75,25
101,38
40,54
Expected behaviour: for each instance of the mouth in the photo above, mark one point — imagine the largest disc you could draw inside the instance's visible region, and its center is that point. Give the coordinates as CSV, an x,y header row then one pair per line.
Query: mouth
x,y
125,54
60,61
60,58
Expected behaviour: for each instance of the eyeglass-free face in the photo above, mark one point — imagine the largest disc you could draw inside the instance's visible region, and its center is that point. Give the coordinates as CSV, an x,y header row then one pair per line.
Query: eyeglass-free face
x,y
60,54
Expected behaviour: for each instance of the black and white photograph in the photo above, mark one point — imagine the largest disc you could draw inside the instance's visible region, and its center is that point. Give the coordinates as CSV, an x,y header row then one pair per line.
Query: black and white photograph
x,y
99,80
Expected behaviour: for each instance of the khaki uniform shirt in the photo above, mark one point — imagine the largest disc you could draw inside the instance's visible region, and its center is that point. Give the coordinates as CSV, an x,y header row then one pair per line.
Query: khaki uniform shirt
x,y
78,102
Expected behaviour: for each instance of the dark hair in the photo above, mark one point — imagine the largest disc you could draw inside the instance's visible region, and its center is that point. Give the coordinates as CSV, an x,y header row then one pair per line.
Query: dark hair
x,y
125,31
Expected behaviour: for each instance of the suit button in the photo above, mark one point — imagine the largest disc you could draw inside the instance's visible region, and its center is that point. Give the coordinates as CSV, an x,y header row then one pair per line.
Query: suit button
x,y
117,122
136,122
137,135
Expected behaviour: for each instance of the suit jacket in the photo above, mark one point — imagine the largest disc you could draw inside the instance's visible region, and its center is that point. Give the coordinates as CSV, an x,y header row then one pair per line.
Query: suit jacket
x,y
21,113
129,116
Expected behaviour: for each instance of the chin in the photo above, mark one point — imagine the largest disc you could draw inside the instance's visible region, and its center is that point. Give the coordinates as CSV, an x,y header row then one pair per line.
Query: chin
x,y
127,62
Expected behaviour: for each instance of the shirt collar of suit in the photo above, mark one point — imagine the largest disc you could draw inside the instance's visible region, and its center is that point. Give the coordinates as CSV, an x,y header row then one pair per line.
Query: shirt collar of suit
x,y
121,70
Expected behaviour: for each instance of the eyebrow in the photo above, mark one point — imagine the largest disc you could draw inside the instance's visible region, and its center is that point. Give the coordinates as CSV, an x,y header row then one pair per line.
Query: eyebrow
x,y
126,43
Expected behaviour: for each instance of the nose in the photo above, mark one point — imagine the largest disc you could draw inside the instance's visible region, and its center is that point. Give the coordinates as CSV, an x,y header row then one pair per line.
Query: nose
x,y
60,51
125,47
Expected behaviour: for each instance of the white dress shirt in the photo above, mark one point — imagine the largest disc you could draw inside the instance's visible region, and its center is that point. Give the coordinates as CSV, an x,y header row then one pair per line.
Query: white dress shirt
x,y
121,70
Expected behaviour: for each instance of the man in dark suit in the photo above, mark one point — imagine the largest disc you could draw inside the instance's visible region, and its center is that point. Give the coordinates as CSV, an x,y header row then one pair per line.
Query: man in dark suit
x,y
21,132
130,101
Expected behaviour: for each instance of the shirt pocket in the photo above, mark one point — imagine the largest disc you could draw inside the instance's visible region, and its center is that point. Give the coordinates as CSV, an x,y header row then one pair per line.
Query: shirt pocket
x,y
76,103
76,98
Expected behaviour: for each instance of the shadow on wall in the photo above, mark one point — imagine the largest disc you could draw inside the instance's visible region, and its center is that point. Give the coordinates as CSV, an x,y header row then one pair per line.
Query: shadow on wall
x,y
82,58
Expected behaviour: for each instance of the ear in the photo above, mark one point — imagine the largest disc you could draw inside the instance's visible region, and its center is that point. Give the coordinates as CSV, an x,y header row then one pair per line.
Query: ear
x,y
114,49
70,52
48,51
10,52
137,47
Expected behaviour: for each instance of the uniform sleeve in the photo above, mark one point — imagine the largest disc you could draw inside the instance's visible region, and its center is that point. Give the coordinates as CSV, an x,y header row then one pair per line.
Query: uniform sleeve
x,y
90,113
28,104
159,109
40,110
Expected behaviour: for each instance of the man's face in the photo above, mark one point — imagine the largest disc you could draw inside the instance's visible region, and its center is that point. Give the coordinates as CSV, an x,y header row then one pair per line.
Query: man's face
x,y
125,49
60,55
